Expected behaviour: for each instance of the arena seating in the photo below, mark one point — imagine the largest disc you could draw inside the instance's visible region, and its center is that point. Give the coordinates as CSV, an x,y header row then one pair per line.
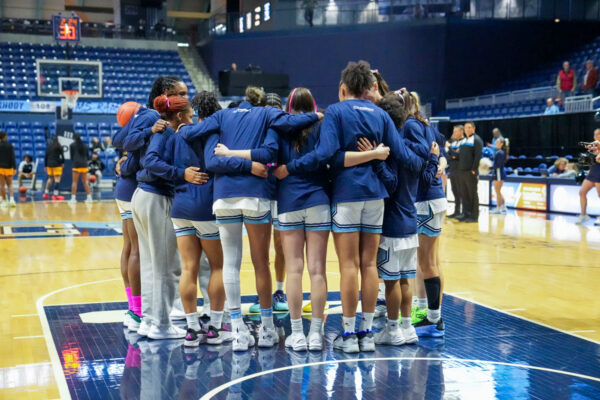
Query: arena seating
x,y
127,73
545,76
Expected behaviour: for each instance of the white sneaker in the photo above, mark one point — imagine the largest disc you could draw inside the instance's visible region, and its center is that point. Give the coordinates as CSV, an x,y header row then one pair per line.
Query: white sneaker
x,y
366,342
144,328
390,337
176,314
346,343
410,335
3,203
12,203
268,337
582,218
242,340
133,326
597,221
171,332
315,341
72,200
497,210
89,199
380,308
127,320
296,341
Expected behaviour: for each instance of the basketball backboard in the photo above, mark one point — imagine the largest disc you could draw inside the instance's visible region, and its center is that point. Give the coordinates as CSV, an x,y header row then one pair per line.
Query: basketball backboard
x,y
56,76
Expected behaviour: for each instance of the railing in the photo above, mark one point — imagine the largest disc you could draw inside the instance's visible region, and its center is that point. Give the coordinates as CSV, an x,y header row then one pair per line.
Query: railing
x,y
503,98
583,103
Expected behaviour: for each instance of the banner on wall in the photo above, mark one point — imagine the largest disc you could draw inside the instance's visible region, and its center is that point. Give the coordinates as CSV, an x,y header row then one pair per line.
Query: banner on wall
x,y
483,191
524,195
102,107
565,198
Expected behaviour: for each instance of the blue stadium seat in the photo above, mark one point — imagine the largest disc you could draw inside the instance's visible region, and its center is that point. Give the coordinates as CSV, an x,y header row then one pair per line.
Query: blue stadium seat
x,y
522,157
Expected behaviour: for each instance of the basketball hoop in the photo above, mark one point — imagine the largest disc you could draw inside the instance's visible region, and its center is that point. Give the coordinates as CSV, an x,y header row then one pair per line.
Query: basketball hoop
x,y
71,98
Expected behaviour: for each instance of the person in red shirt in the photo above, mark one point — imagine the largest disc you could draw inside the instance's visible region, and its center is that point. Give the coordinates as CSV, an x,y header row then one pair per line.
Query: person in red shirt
x,y
566,81
590,79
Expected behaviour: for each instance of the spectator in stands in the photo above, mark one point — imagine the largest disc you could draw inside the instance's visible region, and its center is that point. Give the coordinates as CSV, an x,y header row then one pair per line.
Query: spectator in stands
x,y
551,108
590,79
160,29
496,135
95,167
96,146
559,169
309,10
7,170
141,29
233,67
458,135
566,81
25,169
468,166
108,146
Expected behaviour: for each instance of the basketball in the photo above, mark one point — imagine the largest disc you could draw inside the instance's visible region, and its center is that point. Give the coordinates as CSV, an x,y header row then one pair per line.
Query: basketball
x,y
93,178
22,190
126,111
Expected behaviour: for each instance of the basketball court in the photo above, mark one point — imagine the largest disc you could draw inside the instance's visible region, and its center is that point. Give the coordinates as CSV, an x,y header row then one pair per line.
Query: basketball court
x,y
520,320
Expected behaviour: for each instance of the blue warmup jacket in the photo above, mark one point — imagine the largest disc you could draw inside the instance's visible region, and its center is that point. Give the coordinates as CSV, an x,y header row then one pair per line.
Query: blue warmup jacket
x,y
194,202
343,125
157,175
303,189
242,128
126,182
421,136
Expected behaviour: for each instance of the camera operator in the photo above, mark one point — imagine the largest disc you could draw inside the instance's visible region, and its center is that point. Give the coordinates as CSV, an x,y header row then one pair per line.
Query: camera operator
x,y
591,180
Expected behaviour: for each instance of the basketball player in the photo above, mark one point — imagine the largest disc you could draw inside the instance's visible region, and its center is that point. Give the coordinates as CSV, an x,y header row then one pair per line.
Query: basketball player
x,y
8,165
79,158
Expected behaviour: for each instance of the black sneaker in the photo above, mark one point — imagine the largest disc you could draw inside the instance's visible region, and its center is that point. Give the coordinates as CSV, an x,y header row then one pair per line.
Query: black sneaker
x,y
218,336
194,338
426,328
366,342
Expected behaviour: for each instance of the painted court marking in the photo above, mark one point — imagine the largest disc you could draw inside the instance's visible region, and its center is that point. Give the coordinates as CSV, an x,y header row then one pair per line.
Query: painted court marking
x,y
28,337
227,385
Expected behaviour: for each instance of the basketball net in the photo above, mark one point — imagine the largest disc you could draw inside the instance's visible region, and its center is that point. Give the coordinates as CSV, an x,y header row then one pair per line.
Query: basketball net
x,y
69,102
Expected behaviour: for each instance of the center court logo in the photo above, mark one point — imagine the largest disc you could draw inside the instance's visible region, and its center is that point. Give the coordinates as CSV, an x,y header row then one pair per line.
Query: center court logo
x,y
37,230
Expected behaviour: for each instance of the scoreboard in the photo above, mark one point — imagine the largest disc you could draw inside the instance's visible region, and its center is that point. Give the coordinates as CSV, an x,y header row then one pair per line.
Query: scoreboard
x,y
66,29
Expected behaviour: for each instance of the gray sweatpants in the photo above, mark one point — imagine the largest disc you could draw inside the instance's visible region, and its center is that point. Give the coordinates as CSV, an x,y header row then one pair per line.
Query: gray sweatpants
x,y
160,264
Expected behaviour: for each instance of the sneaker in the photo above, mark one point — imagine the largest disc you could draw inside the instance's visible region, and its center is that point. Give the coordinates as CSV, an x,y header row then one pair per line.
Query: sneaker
x,y
12,203
380,308
218,336
410,335
89,199
315,341
597,221
582,218
72,200
194,337
134,322
366,342
45,196
347,342
308,307
417,314
127,318
267,337
279,301
296,341
496,210
3,203
242,340
170,332
427,328
390,337
176,314
144,328
255,308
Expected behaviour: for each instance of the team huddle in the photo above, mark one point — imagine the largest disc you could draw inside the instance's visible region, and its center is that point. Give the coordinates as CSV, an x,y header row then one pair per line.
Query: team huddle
x,y
368,170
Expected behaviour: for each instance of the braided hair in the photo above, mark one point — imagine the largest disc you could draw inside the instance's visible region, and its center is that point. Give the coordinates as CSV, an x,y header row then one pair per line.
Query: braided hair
x,y
160,85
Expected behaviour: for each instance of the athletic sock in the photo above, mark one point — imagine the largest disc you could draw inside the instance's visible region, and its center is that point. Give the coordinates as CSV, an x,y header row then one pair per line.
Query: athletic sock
x,y
366,322
381,294
392,324
216,318
316,325
279,285
405,322
129,297
237,323
434,315
266,317
422,303
192,321
297,325
349,324
137,305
